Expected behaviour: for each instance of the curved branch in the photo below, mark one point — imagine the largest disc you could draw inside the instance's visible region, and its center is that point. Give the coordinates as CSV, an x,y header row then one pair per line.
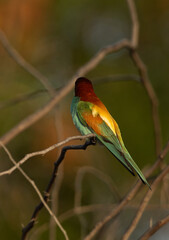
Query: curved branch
x,y
152,96
43,152
135,23
31,224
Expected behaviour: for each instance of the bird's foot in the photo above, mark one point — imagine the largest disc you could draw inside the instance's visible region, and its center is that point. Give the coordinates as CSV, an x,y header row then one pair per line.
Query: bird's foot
x,y
93,140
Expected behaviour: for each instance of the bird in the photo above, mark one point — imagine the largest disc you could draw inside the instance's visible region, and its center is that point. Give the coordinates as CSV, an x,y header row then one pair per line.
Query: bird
x,y
90,115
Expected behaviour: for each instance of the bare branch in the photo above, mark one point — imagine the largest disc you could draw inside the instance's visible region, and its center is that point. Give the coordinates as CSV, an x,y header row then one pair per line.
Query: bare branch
x,y
30,225
152,96
144,76
130,45
37,191
106,179
135,24
144,203
31,119
43,152
57,185
127,198
84,209
21,98
24,64
24,97
154,228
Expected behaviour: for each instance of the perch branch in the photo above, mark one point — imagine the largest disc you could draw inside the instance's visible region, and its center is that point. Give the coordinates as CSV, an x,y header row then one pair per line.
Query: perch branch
x,y
30,225
43,152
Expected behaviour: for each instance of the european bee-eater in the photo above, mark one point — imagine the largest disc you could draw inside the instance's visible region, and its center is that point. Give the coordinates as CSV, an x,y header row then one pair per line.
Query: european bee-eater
x,y
91,116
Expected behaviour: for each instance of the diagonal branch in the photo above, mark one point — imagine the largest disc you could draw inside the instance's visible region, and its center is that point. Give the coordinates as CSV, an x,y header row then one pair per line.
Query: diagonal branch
x,y
127,198
152,96
37,191
144,203
154,228
24,64
31,224
91,64
43,152
144,76
31,119
135,23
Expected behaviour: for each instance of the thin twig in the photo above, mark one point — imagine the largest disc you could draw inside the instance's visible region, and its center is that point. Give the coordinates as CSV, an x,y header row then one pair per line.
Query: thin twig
x,y
25,97
78,191
100,80
30,225
24,64
43,152
144,203
144,76
100,207
152,96
36,190
57,185
21,99
135,23
154,228
104,178
84,209
128,197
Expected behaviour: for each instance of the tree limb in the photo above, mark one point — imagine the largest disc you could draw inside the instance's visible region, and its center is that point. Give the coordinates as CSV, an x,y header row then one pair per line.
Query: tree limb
x,y
30,225
43,202
43,152
31,119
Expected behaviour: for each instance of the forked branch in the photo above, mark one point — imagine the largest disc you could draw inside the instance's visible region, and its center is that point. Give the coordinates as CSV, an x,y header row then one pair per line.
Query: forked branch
x,y
30,225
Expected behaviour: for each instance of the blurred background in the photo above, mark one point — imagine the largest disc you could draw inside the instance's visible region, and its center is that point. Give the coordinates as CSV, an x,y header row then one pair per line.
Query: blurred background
x,y
57,37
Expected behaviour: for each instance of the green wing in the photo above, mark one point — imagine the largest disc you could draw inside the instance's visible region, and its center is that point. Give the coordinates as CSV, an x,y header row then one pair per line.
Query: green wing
x,y
87,123
120,152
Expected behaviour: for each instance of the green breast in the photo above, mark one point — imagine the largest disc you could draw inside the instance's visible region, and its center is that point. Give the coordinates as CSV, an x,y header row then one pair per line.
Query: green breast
x,y
76,119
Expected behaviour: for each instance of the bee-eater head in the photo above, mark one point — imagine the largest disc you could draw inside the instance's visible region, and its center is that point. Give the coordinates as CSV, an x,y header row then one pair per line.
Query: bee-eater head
x,y
83,87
